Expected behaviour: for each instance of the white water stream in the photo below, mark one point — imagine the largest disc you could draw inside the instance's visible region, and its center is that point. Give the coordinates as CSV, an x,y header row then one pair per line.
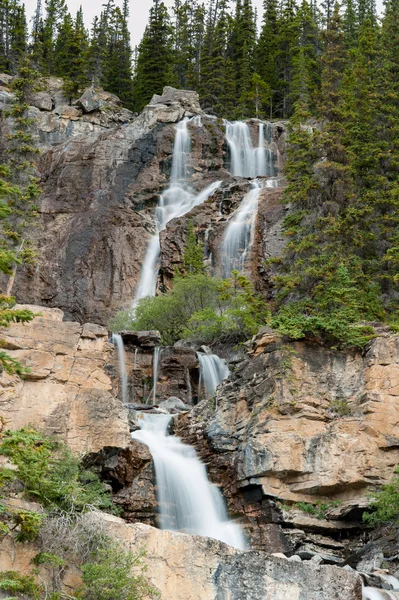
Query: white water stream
x,y
177,200
213,370
188,502
118,341
245,159
239,234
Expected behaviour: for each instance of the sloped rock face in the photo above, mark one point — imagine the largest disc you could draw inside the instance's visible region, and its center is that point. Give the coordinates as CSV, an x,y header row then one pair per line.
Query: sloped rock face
x,y
67,392
183,567
102,173
302,423
99,193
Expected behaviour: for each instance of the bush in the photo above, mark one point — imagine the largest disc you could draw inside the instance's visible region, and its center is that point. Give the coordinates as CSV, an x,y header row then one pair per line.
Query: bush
x,y
385,505
109,576
200,309
334,313
50,473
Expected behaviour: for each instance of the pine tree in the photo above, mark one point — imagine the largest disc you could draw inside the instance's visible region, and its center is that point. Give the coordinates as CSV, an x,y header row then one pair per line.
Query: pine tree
x,y
286,48
217,90
71,54
117,69
266,52
154,65
56,11
242,49
13,35
193,258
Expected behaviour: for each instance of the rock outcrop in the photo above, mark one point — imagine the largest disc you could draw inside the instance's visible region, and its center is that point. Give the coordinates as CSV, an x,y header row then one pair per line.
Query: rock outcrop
x,y
102,172
66,391
186,567
302,423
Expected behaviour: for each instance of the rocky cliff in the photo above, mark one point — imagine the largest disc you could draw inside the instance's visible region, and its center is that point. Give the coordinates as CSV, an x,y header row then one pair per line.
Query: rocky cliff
x,y
102,172
298,435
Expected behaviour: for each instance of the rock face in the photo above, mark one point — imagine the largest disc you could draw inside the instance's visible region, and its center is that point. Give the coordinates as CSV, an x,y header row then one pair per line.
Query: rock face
x,y
102,172
66,392
183,567
301,423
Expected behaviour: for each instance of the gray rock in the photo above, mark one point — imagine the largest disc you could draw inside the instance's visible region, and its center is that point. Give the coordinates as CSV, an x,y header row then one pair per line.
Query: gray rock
x,y
173,403
5,79
89,100
188,99
41,100
295,558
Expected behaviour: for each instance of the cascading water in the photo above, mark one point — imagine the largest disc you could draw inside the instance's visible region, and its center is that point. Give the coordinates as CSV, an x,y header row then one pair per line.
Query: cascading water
x,y
176,201
247,161
188,502
213,370
239,234
118,341
155,371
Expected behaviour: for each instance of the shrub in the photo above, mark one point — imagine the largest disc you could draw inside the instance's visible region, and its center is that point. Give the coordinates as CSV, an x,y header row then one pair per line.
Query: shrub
x,y
109,576
50,473
385,504
201,309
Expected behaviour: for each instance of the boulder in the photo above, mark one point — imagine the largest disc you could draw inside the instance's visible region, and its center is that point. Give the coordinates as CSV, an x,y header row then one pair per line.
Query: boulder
x,y
41,100
188,99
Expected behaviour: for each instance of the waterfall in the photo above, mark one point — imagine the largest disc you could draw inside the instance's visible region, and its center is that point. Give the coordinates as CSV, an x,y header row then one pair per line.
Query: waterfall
x,y
239,234
188,502
213,370
177,200
155,371
118,341
247,161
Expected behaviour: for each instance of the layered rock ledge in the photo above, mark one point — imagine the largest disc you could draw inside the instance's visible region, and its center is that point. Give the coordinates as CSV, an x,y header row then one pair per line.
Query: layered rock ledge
x,y
66,392
186,567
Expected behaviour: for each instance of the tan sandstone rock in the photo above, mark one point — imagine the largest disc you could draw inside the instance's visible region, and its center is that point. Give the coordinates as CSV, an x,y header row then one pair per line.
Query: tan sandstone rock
x,y
184,567
67,391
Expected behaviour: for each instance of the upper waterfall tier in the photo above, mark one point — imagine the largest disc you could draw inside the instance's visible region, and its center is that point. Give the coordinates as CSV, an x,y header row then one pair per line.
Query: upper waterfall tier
x,y
177,200
245,159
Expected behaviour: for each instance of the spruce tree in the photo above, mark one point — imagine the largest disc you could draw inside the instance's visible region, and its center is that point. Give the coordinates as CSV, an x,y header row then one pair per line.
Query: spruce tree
x,y
266,53
13,34
154,65
56,11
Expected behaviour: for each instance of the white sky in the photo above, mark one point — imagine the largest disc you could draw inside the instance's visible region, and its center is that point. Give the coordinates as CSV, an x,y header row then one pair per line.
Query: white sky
x,y
139,10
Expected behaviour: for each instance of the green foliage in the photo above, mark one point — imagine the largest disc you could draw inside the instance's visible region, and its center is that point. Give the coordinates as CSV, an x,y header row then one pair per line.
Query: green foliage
x,y
28,523
51,474
20,586
109,576
201,309
384,507
319,509
193,258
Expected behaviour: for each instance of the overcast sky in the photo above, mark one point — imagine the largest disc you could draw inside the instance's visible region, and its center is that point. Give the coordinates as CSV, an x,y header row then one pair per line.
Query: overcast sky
x,y
139,10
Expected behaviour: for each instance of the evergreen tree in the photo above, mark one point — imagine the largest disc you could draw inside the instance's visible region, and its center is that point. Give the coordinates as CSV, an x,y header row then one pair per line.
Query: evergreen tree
x,y
56,11
117,69
193,258
71,54
266,52
242,49
13,34
154,65
217,69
